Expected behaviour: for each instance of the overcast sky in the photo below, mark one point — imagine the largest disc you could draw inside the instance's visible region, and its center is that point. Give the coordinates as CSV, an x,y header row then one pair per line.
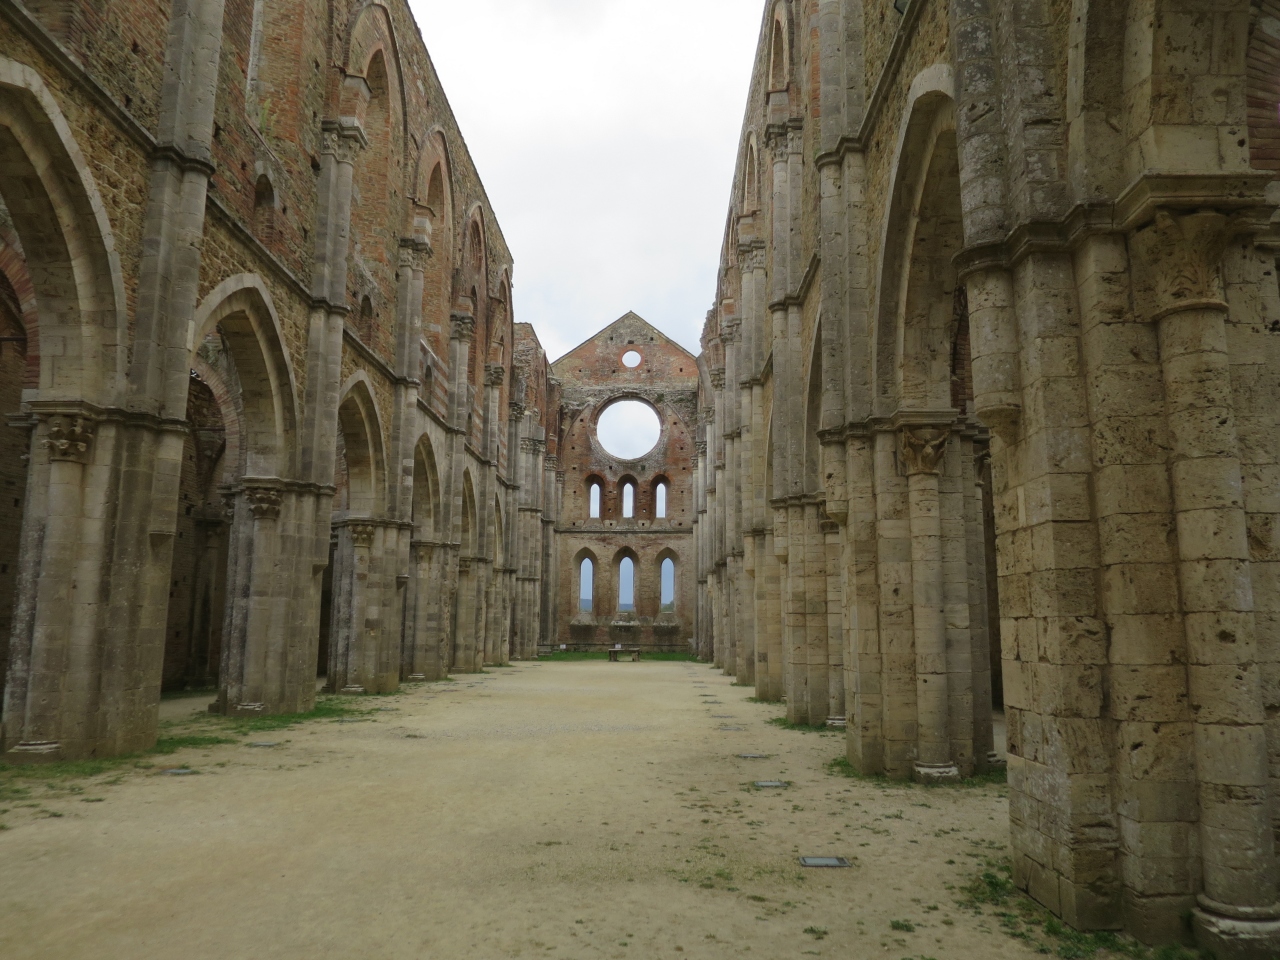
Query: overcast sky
x,y
606,133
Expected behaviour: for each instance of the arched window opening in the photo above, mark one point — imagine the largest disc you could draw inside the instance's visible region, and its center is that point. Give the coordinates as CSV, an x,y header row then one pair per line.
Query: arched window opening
x,y
594,495
778,59
586,585
476,244
750,188
435,194
264,209
660,501
626,585
366,317
668,585
628,500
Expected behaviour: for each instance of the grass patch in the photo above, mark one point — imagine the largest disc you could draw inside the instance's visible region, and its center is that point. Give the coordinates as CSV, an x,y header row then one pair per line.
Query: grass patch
x,y
841,767
167,745
326,708
786,724
1020,917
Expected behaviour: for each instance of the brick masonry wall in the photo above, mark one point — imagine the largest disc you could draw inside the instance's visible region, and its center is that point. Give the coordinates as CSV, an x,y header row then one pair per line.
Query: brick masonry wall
x,y
592,377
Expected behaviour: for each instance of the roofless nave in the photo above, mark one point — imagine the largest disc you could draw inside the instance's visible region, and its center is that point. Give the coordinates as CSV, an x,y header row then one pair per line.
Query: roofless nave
x,y
992,367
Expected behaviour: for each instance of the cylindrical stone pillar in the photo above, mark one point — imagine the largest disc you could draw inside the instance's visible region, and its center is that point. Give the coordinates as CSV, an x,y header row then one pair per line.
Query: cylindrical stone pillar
x,y
922,450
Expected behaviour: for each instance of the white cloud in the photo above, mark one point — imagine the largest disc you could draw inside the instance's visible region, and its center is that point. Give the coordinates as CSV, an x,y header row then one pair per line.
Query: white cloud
x,y
605,132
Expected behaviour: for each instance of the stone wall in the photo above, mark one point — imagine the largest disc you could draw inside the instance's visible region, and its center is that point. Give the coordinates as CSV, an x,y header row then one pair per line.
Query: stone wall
x,y
989,370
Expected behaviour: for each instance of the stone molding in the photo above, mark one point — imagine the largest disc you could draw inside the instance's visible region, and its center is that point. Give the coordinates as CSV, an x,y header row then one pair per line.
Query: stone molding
x,y
1177,261
69,438
265,502
923,448
462,327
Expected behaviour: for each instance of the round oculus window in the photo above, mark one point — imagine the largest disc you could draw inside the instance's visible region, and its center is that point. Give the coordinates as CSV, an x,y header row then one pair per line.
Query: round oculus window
x,y
631,359
629,429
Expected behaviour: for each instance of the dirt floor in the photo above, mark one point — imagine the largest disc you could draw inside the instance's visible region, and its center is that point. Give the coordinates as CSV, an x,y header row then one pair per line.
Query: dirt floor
x,y
573,810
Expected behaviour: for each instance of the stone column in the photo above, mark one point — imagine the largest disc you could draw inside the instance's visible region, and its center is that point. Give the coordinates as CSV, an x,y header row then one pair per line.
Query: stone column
x,y
252,589
1178,285
49,672
923,448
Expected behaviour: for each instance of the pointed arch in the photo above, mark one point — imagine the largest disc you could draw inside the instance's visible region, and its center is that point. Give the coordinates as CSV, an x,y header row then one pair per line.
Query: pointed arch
x,y
927,142
779,49
470,522
427,506
361,430
750,199
241,312
67,241
626,572
813,413
586,567
369,30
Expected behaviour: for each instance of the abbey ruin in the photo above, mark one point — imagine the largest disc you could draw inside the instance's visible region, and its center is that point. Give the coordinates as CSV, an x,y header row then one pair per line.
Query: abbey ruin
x,y
985,415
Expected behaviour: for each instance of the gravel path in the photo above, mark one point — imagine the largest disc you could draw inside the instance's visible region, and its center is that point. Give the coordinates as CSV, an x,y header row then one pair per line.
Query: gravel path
x,y
573,810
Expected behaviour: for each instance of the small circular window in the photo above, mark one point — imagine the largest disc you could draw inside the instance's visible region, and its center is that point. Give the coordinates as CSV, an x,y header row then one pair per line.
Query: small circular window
x,y
632,359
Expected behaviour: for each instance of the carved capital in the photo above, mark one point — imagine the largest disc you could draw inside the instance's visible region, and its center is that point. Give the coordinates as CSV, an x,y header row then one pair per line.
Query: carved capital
x,y
1177,261
700,446
264,502
923,447
550,463
494,374
69,438
362,534
717,378
463,327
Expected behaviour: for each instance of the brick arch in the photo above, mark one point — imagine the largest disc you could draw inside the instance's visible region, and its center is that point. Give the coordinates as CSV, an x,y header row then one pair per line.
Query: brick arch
x,y
361,429
241,310
369,31
1263,86
232,415
65,235
14,267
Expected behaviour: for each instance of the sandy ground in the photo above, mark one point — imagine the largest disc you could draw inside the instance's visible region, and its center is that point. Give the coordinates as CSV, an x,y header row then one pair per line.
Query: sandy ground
x,y
571,810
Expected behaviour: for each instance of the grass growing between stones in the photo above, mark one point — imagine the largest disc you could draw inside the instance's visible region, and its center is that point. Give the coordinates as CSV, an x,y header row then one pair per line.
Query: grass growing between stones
x,y
786,724
1020,917
841,767
63,778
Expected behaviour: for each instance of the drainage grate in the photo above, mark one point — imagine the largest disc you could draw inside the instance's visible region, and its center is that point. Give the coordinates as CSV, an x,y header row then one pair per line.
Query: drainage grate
x,y
824,862
177,772
265,743
771,784
754,756
732,728
722,716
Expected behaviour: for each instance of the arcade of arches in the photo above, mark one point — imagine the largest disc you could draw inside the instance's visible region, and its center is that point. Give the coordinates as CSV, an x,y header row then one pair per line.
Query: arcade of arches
x,y
985,413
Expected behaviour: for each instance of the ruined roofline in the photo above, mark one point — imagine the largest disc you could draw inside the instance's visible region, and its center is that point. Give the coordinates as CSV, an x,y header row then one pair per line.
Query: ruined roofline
x,y
603,330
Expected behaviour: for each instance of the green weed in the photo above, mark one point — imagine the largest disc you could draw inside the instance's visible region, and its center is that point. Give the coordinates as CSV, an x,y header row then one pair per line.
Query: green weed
x,y
1023,919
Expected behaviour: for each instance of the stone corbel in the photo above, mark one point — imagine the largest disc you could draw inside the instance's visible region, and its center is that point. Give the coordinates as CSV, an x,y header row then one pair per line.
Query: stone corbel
x,y
69,438
923,448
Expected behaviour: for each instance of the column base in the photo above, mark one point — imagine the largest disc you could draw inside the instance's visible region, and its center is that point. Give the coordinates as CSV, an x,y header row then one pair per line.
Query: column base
x,y
250,709
936,773
35,749
416,678
996,759
1237,933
